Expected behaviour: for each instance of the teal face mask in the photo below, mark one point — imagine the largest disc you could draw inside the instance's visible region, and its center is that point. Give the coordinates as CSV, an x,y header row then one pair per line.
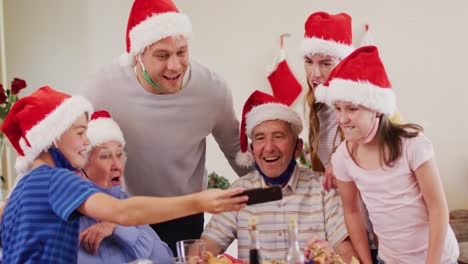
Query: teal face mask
x,y
145,75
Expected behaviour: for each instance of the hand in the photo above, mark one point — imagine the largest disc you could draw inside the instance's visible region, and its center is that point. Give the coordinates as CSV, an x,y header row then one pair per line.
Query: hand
x,y
315,240
92,237
216,201
329,180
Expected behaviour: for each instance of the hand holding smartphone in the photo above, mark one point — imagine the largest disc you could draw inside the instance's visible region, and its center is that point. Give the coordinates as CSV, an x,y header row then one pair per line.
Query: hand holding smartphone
x,y
263,195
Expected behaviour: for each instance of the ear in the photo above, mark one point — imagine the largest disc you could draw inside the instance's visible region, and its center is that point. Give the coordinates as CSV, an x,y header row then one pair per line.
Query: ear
x,y
299,146
252,151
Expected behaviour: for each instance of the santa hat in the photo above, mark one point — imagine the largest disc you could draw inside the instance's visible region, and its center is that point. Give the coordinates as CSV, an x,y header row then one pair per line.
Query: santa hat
x,y
361,79
102,128
258,108
328,35
150,21
36,121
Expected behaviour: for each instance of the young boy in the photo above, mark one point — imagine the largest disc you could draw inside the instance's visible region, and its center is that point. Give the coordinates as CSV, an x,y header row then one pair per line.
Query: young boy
x,y
40,222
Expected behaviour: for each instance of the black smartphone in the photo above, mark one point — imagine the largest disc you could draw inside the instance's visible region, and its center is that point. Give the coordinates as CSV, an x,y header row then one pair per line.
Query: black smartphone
x,y
263,195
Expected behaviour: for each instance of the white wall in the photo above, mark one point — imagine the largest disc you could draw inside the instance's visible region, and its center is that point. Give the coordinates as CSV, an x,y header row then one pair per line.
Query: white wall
x,y
423,45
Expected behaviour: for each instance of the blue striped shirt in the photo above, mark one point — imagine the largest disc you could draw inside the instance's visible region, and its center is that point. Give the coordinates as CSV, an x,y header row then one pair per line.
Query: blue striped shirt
x,y
40,223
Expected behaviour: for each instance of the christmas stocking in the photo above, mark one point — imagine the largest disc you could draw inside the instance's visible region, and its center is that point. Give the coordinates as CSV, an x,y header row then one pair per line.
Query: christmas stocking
x,y
285,86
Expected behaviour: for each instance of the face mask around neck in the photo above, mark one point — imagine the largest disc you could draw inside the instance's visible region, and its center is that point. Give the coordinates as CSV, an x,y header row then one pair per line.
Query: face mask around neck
x,y
372,130
60,160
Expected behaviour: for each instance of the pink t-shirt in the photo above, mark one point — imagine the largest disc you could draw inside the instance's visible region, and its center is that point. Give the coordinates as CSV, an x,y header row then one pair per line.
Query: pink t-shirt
x,y
396,206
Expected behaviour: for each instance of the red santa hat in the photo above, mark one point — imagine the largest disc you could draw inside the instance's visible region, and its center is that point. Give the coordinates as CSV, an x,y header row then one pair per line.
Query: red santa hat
x,y
361,79
258,108
328,35
150,21
102,128
36,121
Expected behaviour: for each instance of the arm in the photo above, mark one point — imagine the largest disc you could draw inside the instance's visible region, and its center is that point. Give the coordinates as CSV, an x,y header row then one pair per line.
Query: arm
x,y
92,236
137,242
329,179
144,210
354,219
212,246
335,226
92,88
142,242
346,250
431,188
343,248
221,230
316,240
226,132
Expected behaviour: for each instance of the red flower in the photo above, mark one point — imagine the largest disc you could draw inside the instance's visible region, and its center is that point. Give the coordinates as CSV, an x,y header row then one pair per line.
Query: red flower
x,y
17,85
3,96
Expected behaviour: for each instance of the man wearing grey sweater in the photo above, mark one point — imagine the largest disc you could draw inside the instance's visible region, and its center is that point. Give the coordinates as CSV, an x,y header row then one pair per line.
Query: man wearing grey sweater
x,y
166,106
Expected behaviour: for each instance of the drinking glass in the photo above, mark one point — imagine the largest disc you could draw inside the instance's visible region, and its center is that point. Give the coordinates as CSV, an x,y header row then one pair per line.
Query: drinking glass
x,y
193,249
181,260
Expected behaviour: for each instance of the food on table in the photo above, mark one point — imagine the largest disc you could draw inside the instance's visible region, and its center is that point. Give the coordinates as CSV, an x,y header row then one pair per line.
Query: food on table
x,y
194,260
323,256
210,259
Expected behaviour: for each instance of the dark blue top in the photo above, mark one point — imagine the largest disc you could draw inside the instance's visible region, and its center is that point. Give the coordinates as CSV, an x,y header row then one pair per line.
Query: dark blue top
x,y
127,243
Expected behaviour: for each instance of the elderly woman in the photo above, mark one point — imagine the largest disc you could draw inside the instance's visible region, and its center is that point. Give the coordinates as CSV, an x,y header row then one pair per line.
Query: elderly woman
x,y
103,242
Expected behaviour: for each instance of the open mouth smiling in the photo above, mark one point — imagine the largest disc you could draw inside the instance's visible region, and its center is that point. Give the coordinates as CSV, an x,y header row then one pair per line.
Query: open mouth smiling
x,y
271,159
173,78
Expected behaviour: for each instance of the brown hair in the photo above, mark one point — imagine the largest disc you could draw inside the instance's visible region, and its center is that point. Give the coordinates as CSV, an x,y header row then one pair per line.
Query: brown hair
x,y
314,128
389,136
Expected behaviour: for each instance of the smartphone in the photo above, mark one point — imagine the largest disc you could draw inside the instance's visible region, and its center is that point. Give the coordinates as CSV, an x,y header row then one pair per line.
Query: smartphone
x,y
263,195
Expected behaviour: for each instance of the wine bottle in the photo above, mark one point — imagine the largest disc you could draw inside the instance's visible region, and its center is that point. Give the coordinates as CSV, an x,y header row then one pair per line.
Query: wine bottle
x,y
254,253
294,255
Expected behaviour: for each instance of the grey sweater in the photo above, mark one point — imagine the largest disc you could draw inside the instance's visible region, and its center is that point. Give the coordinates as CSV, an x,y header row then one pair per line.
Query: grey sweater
x,y
166,134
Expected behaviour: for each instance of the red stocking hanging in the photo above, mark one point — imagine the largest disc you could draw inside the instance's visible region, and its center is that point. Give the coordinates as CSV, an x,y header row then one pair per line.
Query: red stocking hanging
x,y
285,86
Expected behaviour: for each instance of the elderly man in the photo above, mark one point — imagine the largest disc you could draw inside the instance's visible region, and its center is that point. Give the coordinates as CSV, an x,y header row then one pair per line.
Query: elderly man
x,y
274,132
166,104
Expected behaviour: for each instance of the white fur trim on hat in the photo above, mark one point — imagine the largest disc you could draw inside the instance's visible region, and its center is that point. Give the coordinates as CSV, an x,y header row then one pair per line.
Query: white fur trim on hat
x,y
22,166
157,27
127,60
380,99
320,94
326,47
278,60
272,111
244,159
102,130
49,129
